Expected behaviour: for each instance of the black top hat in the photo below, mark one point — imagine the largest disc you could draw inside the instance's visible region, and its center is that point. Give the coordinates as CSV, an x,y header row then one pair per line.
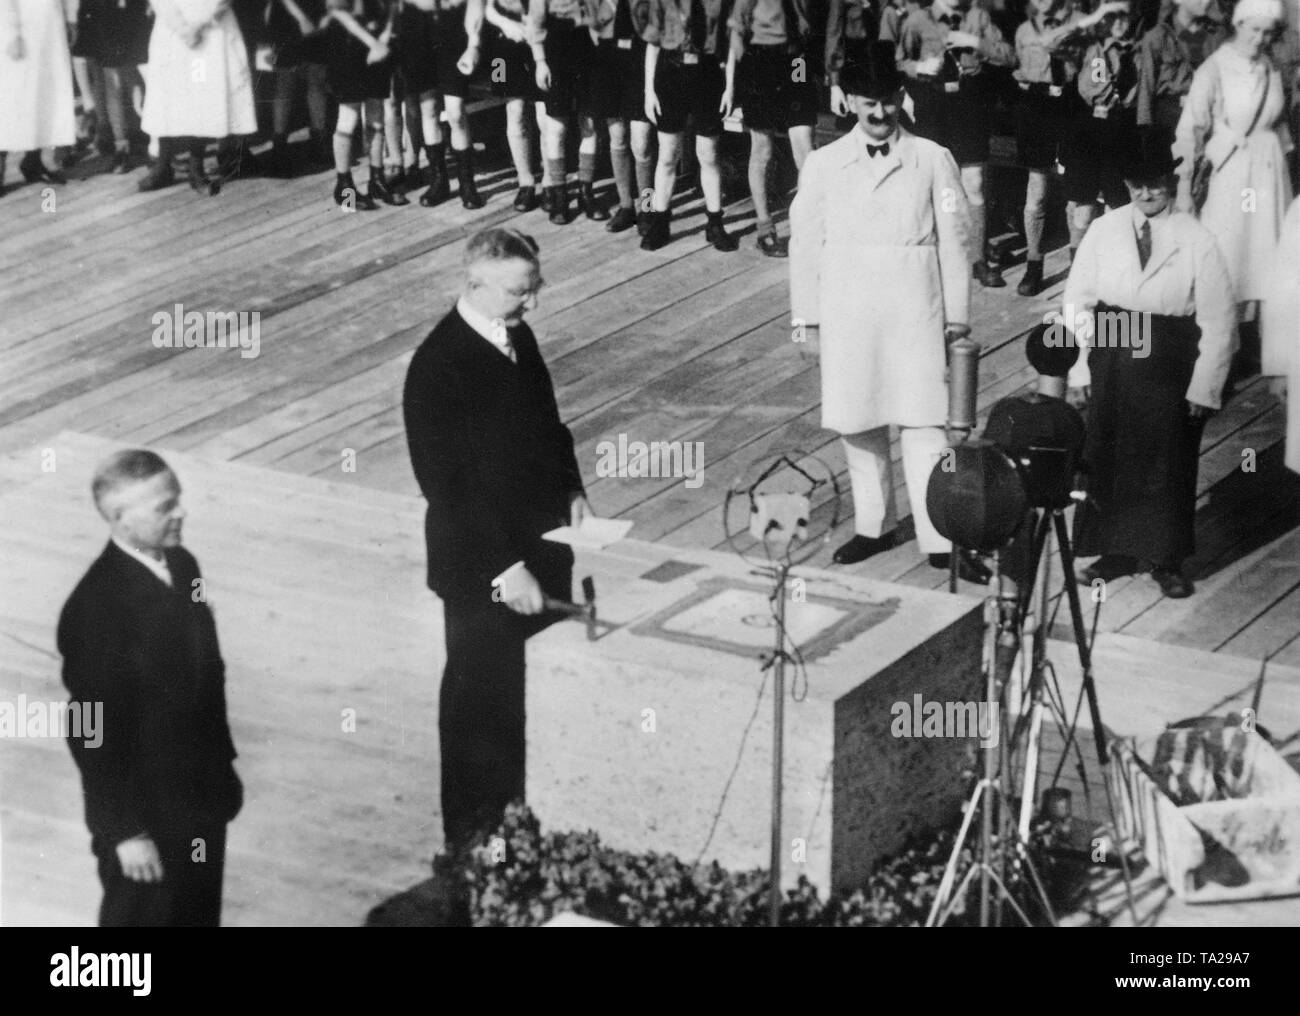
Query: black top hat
x,y
1146,159
875,75
1056,359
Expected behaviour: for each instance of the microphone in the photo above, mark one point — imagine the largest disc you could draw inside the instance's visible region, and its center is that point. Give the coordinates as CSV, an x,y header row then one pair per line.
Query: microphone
x,y
963,371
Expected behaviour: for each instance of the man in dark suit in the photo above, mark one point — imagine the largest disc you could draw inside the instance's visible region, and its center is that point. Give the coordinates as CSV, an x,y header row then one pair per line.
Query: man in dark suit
x,y
137,636
497,468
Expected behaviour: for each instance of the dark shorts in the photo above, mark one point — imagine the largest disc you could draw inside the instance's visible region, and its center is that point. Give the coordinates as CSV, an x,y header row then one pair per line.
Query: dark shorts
x,y
510,67
689,93
617,85
452,43
959,121
1094,151
1043,121
767,91
570,54
414,47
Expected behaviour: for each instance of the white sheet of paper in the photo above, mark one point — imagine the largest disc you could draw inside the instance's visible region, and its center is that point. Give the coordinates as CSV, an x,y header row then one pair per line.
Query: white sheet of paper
x,y
593,534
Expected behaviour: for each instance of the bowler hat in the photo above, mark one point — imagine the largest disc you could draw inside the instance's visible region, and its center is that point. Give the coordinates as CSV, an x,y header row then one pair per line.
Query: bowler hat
x,y
1146,159
875,75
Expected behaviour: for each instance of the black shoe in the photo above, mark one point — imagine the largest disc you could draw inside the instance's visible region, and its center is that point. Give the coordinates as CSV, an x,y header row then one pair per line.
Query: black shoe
x,y
35,171
380,188
439,185
987,275
1107,568
200,182
588,205
716,233
623,218
657,234
559,210
160,175
969,566
1032,282
643,220
469,196
861,547
1173,583
526,199
321,151
773,246
278,164
349,198
121,164
238,161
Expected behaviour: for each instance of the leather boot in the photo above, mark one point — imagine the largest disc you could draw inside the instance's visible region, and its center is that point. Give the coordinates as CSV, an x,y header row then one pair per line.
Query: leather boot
x,y
988,276
715,233
469,196
526,199
559,204
588,204
346,194
439,186
1032,283
623,218
657,234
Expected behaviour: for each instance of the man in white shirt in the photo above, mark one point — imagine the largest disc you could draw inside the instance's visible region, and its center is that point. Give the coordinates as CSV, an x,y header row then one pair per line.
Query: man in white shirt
x,y
1150,296
497,468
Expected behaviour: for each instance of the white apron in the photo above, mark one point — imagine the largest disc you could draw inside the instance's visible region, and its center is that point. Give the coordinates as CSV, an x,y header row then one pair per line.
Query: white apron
x,y
204,92
36,107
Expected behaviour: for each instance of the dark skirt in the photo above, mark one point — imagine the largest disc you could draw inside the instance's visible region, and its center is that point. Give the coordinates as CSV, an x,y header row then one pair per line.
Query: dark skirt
x,y
415,47
281,32
350,78
1142,448
114,32
512,72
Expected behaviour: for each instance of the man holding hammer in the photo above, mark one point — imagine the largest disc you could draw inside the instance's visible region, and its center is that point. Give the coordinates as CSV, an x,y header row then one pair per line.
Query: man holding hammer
x,y
497,468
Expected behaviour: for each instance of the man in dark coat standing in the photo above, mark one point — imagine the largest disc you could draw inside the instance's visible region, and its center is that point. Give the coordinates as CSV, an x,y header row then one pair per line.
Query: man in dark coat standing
x,y
137,635
497,467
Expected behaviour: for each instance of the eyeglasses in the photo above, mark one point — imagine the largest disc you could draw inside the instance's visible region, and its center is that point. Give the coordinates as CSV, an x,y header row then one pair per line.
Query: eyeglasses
x,y
523,294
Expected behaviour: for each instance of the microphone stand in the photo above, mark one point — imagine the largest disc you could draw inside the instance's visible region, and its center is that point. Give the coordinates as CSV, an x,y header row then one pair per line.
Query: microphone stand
x,y
963,372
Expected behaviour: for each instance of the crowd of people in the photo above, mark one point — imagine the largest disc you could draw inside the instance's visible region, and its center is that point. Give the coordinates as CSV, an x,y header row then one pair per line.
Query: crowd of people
x,y
1073,84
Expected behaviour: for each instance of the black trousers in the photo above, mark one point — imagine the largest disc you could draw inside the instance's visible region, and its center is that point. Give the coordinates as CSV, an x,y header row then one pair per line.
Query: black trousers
x,y
482,724
189,895
1142,450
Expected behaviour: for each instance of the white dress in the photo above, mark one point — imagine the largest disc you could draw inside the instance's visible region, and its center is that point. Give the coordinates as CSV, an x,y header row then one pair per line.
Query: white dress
x,y
204,92
36,107
1249,194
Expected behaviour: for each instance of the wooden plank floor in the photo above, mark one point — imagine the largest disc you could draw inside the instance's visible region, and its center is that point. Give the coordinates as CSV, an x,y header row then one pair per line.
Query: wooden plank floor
x,y
680,344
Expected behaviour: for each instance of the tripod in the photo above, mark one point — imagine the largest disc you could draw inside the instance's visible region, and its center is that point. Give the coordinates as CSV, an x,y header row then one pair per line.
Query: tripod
x,y
1051,521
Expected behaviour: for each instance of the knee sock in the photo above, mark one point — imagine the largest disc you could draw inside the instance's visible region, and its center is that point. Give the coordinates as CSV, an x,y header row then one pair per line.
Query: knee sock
x,y
620,156
586,167
554,175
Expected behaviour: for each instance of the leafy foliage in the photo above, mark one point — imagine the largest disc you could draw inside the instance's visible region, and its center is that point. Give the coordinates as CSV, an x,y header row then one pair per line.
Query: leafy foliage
x,y
521,877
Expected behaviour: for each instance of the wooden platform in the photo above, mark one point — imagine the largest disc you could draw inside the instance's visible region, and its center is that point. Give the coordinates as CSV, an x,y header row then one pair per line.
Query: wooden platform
x,y
681,344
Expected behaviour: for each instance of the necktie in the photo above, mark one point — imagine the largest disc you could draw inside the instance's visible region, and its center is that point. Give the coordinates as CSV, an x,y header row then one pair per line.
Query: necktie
x,y
874,150
1144,242
509,336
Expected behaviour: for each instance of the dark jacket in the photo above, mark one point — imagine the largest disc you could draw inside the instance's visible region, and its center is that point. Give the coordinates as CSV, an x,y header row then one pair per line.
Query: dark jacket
x,y
150,655
490,454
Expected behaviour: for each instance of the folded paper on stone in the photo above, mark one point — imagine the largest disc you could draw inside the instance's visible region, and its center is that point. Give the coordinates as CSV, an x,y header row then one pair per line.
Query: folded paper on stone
x,y
593,534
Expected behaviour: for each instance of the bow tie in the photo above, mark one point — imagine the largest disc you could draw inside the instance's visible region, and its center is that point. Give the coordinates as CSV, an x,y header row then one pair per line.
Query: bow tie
x,y
874,150
951,20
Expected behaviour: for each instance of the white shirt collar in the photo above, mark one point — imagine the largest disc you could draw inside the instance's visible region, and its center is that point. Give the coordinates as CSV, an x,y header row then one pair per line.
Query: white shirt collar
x,y
158,567
485,327
1139,218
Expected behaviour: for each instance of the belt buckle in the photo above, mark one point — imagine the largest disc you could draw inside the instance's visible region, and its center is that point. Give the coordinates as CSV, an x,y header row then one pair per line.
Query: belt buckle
x,y
1055,91
624,43
952,86
1101,112
690,59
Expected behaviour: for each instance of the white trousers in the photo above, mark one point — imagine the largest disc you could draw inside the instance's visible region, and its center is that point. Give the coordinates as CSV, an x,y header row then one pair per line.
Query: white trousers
x,y
872,477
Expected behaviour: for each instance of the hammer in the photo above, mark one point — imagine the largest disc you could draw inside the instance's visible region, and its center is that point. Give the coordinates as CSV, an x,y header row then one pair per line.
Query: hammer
x,y
585,610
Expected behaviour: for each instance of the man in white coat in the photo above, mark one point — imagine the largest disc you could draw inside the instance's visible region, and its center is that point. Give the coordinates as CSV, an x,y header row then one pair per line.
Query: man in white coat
x,y
879,284
1280,328
1151,297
